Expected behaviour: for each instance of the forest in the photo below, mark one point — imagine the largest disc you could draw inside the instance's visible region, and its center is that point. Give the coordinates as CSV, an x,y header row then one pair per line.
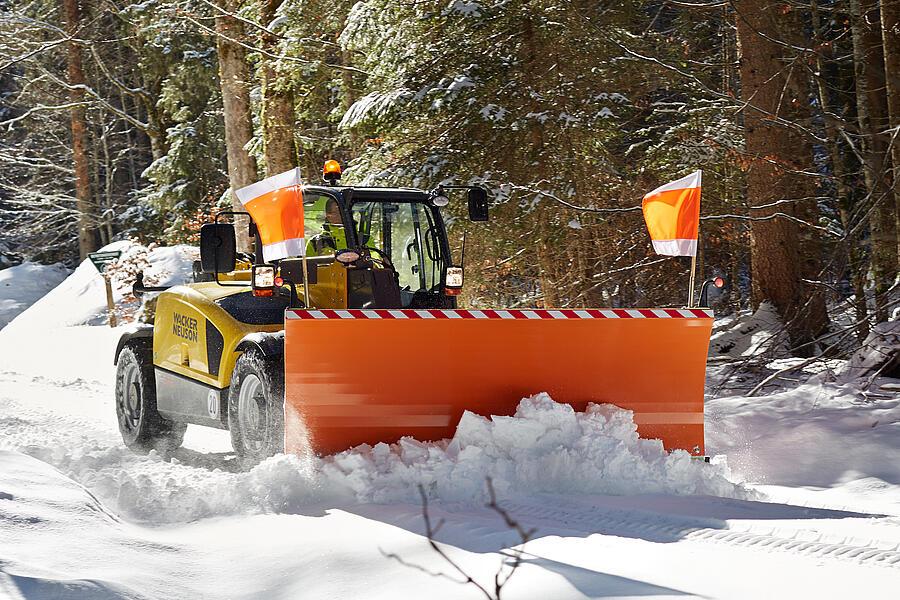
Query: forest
x,y
135,119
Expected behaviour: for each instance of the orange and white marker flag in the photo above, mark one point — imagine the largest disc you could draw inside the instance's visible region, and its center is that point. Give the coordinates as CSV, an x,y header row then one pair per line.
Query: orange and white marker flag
x,y
672,213
276,204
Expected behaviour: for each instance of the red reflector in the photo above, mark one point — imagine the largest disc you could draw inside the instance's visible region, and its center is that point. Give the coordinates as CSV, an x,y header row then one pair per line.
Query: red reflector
x,y
719,282
279,281
264,293
452,291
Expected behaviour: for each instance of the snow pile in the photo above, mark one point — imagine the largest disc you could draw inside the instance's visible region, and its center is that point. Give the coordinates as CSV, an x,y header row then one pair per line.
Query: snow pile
x,y
545,447
22,285
81,298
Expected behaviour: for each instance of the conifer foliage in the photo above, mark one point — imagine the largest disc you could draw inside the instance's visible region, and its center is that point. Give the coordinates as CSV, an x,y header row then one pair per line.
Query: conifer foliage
x,y
122,118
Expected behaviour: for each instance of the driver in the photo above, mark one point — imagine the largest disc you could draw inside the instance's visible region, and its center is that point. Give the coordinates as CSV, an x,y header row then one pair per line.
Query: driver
x,y
333,237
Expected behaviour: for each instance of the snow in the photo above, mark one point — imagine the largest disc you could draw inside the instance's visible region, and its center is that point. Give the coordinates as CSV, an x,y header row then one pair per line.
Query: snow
x,y
880,353
373,105
467,8
749,336
492,112
81,298
816,434
544,447
22,285
460,82
802,499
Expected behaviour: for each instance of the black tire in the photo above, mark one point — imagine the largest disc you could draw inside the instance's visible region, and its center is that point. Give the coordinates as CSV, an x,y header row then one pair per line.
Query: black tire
x,y
142,428
256,407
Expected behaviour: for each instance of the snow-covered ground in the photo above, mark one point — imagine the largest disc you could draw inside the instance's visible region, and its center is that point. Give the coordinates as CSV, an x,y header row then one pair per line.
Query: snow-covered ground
x,y
22,285
802,501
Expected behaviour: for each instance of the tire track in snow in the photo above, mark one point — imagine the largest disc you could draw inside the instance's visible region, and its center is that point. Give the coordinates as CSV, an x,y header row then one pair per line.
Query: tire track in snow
x,y
667,528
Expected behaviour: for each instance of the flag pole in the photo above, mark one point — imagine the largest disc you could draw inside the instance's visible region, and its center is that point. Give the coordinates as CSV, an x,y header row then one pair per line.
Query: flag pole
x,y
693,270
691,281
306,300
305,281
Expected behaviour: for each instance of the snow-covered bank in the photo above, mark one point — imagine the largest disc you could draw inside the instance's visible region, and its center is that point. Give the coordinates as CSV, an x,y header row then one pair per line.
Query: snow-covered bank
x,y
44,341
22,285
60,541
81,298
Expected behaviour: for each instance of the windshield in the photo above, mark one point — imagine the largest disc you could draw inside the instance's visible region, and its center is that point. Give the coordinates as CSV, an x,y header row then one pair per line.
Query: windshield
x,y
407,233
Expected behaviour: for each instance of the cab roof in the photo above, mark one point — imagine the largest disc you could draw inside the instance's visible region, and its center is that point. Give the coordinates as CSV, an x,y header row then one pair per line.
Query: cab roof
x,y
371,193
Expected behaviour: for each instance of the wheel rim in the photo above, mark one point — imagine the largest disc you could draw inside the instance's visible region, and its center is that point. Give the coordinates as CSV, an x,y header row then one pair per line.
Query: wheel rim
x,y
252,413
130,402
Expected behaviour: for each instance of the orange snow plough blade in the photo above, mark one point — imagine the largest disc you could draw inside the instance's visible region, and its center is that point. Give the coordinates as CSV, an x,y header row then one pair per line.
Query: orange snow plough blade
x,y
369,376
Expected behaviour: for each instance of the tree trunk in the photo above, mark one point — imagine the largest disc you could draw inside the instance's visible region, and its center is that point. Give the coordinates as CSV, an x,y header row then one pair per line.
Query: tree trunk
x,y
544,211
774,89
855,258
871,109
890,37
546,259
277,105
233,78
86,241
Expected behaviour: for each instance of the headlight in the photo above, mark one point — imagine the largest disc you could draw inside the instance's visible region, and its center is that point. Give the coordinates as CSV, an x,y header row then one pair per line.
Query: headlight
x,y
454,282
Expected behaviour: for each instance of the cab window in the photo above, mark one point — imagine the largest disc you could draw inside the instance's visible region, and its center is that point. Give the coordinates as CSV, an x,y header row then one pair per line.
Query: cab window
x,y
406,232
324,229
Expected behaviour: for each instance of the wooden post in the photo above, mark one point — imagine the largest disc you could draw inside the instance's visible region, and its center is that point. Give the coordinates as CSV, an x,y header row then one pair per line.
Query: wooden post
x,y
110,305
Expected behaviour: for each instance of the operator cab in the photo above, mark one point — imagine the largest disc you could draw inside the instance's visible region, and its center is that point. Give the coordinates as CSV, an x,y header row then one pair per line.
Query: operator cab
x,y
401,230
349,247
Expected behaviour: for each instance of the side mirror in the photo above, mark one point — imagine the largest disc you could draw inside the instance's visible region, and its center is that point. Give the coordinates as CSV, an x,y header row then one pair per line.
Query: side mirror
x,y
217,248
716,282
478,204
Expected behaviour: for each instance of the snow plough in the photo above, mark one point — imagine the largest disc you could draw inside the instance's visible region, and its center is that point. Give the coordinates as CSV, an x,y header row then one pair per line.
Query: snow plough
x,y
343,329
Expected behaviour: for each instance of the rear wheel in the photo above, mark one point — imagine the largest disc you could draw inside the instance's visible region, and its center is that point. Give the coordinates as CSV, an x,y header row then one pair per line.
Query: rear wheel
x,y
142,428
256,407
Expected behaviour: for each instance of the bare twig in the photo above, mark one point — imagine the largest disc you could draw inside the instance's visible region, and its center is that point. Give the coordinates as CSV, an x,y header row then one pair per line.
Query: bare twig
x,y
503,574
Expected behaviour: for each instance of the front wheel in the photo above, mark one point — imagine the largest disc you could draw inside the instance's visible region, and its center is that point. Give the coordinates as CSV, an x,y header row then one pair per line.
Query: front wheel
x,y
142,428
256,407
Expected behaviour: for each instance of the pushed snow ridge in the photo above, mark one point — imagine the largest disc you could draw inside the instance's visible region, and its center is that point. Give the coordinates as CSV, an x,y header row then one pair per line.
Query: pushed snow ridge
x,y
544,447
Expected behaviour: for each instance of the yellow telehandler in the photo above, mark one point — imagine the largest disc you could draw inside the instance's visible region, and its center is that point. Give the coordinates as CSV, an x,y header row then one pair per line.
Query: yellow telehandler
x,y
360,341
